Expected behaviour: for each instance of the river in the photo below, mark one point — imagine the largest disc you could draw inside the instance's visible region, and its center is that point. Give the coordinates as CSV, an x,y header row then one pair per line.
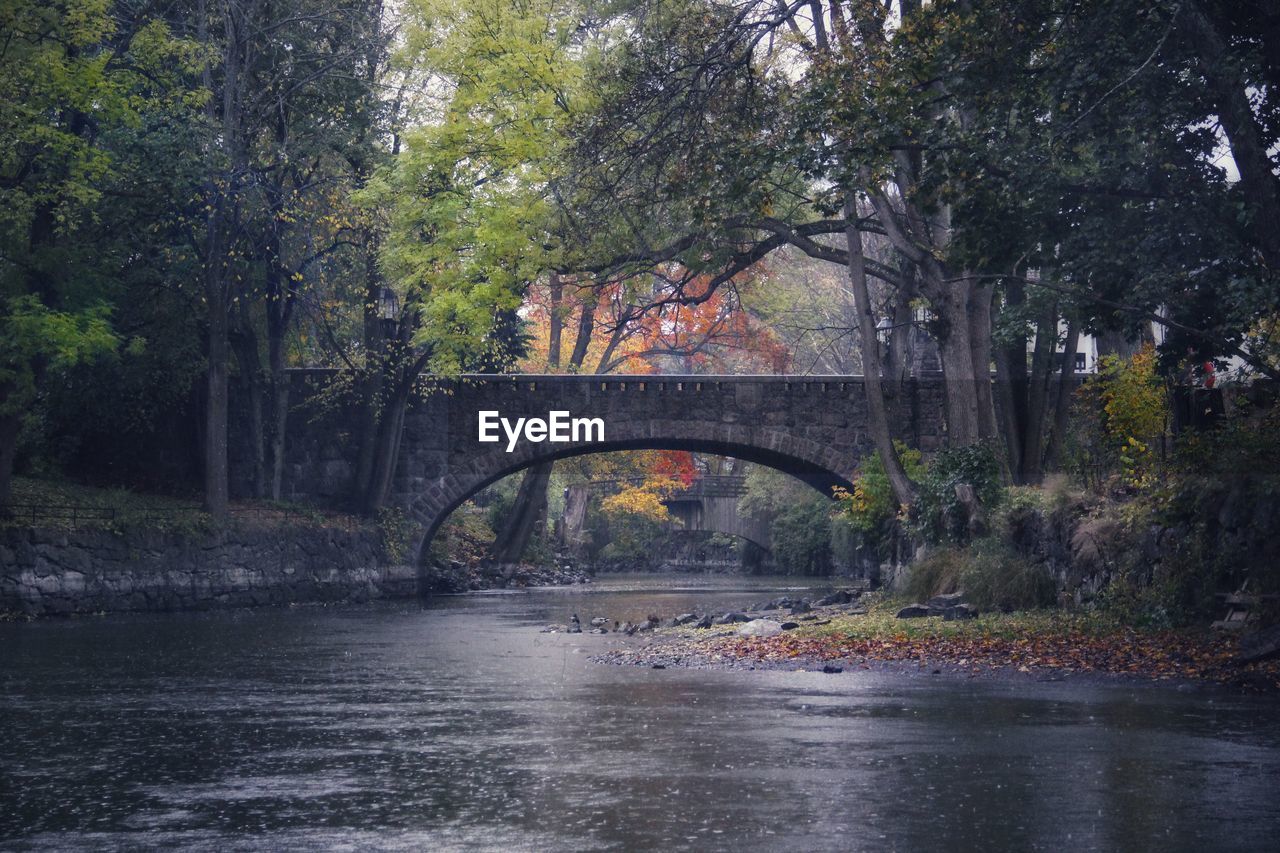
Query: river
x,y
457,725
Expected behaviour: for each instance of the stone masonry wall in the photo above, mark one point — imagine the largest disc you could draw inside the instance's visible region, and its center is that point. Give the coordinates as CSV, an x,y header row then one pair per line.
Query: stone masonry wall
x,y
45,572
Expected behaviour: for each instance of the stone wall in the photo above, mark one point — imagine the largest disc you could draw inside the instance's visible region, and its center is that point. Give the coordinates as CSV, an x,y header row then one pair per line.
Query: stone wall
x,y
45,572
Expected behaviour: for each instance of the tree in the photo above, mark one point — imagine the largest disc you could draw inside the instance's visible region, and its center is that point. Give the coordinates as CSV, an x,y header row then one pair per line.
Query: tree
x,y
73,76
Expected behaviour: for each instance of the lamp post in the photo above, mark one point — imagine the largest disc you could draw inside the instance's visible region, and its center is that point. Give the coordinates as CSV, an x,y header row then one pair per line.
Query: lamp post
x,y
884,335
388,311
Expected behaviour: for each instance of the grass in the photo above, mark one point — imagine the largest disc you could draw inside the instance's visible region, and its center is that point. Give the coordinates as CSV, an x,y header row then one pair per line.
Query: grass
x,y
881,623
120,509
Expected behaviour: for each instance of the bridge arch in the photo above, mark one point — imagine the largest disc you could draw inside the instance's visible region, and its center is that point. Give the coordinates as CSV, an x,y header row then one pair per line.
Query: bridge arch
x,y
796,455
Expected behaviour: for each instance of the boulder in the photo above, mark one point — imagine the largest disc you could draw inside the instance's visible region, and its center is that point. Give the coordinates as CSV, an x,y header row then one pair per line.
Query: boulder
x,y
913,611
704,622
790,626
959,611
685,619
760,628
801,606
942,602
841,597
599,622
732,618
1259,645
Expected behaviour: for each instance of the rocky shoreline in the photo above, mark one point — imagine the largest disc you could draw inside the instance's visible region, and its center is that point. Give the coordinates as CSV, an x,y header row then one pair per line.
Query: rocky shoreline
x,y
868,634
458,577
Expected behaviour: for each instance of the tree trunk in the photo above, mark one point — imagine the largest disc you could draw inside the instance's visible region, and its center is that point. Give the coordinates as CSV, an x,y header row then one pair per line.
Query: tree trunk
x,y
10,427
557,321
1011,383
1062,397
956,354
902,337
877,415
245,344
527,509
387,446
980,299
531,498
373,376
279,404
1038,397
216,497
575,515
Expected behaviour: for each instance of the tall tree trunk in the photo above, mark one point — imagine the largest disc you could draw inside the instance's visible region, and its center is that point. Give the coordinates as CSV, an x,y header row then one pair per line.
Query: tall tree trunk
x,y
216,495
1011,383
373,375
244,342
557,321
530,503
956,354
387,439
279,313
902,336
10,427
877,414
279,413
1062,397
521,524
1038,396
980,300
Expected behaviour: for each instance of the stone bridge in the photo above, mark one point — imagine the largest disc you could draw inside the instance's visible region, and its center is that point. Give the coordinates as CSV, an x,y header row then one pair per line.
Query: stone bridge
x,y
711,504
812,427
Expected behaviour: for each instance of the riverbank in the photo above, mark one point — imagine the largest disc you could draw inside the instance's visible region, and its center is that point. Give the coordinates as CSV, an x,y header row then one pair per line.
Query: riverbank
x,y
1039,645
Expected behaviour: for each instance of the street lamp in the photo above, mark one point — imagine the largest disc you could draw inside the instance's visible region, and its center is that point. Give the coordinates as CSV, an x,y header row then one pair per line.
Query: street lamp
x,y
883,329
884,335
388,310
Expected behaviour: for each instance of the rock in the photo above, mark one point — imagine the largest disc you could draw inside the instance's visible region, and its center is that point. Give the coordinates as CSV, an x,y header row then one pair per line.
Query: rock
x,y
790,626
959,611
801,606
598,631
599,622
684,619
659,666
831,668
839,597
575,627
760,628
732,618
951,599
913,611
704,622
1259,645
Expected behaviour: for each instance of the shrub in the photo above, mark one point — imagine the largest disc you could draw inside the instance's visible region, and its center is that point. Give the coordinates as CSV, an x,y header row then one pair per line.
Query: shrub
x,y
940,514
1121,416
995,577
936,574
871,508
801,535
396,530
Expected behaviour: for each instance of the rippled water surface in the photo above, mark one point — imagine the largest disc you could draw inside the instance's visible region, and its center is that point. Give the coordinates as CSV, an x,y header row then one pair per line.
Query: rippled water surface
x,y
459,726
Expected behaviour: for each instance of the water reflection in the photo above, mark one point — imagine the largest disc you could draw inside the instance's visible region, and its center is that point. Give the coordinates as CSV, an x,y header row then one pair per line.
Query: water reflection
x,y
460,726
